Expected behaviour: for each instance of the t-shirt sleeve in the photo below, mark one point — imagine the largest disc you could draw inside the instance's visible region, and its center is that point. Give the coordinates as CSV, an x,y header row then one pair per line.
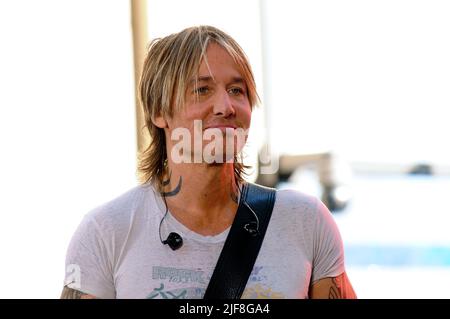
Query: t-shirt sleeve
x,y
88,268
328,249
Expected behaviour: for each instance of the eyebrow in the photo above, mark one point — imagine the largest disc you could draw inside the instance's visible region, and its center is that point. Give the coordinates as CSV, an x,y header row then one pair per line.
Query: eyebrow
x,y
208,78
204,78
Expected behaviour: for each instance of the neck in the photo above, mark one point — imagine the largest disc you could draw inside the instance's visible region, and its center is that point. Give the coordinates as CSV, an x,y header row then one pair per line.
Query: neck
x,y
202,196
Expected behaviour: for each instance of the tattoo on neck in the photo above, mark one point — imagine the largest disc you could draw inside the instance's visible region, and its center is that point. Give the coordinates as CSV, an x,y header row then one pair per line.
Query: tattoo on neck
x,y
174,191
167,181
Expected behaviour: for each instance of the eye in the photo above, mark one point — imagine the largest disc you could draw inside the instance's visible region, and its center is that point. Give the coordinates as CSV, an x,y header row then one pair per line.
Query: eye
x,y
202,90
236,91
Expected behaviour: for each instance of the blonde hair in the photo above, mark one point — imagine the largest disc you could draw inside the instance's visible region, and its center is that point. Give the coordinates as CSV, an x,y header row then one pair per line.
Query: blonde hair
x,y
170,64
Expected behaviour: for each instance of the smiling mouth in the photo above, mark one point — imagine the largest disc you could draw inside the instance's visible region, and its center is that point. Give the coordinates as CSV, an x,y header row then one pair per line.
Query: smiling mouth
x,y
221,127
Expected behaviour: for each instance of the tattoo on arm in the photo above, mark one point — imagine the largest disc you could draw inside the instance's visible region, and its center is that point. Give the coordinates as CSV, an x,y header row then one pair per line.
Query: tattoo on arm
x,y
335,289
341,288
69,293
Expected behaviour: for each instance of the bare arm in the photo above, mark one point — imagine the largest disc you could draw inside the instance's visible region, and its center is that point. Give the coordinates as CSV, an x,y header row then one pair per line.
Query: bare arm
x,y
69,293
332,288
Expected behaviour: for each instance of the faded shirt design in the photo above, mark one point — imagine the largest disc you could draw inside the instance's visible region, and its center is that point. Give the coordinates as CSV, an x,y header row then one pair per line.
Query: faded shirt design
x,y
116,251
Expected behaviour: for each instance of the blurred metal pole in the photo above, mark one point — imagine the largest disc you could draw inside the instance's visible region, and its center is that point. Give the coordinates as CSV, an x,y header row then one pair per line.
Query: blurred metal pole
x,y
268,153
140,39
266,76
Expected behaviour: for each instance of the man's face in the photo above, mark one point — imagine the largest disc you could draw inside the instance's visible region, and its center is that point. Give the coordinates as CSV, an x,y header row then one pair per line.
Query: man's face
x,y
219,100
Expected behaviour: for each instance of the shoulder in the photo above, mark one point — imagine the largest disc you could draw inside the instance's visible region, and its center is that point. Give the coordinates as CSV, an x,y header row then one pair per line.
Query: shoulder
x,y
295,214
115,216
303,205
122,206
292,197
109,223
303,212
290,202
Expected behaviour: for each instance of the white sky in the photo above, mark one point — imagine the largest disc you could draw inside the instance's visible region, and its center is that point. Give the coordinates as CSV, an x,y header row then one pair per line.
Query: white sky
x,y
67,131
368,78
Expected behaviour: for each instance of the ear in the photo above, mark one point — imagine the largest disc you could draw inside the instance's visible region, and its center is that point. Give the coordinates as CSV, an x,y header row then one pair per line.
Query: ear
x,y
160,121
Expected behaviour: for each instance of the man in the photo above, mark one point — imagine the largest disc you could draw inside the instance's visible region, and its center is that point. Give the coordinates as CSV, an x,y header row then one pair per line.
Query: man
x,y
199,83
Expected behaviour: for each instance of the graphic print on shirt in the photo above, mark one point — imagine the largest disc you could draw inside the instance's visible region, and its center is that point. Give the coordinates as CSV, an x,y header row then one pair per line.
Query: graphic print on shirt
x,y
194,277
196,282
256,289
260,291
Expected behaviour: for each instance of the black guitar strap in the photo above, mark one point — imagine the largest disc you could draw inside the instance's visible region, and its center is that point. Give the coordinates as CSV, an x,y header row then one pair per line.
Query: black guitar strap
x,y
243,242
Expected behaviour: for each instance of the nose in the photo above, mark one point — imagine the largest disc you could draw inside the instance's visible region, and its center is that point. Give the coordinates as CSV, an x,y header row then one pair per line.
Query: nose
x,y
223,105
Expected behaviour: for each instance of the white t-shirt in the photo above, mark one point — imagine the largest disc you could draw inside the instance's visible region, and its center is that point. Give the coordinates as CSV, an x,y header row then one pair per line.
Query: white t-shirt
x,y
116,251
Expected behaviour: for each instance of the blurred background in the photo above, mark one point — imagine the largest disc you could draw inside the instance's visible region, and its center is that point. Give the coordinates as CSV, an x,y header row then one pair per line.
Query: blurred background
x,y
354,110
